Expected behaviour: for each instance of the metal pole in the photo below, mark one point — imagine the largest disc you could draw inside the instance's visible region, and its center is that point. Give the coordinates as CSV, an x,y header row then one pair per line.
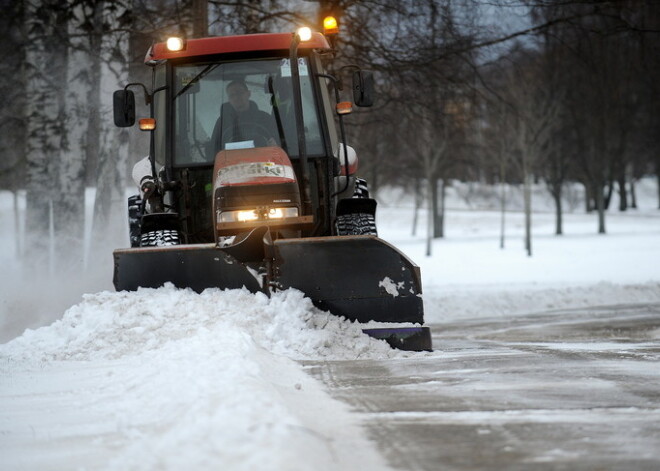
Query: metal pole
x,y
300,125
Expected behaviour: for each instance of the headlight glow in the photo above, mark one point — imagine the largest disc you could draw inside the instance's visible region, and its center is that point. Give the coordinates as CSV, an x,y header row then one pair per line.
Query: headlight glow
x,y
305,33
280,213
175,44
255,215
244,216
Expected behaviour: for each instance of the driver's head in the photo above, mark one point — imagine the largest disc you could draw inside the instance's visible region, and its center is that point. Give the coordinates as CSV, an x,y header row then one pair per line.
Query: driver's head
x,y
239,95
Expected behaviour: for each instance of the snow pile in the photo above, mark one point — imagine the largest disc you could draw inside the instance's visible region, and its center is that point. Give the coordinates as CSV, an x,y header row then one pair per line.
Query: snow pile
x,y
111,325
228,404
166,379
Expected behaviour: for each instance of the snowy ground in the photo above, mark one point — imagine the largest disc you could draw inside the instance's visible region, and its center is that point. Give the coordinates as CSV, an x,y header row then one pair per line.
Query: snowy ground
x,y
162,379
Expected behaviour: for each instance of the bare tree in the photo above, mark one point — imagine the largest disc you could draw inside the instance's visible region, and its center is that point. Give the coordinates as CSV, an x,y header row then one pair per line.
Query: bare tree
x,y
529,113
47,55
109,44
497,139
13,122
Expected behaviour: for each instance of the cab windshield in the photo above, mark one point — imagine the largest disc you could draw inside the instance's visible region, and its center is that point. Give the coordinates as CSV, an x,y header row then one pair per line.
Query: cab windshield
x,y
234,105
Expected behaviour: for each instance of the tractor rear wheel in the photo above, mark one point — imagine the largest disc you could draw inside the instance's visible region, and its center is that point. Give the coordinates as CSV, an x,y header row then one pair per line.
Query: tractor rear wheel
x,y
361,188
160,238
356,224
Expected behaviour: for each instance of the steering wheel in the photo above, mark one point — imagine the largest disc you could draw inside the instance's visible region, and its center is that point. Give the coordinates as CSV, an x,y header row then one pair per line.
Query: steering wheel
x,y
255,131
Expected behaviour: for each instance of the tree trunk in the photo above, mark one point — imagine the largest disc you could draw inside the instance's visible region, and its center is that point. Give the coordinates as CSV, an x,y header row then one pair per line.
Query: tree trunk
x,y
46,57
109,225
588,197
374,185
418,203
608,196
623,195
92,139
110,211
17,225
429,219
441,216
556,196
37,220
600,207
527,195
438,208
502,203
138,43
200,12
633,195
13,112
69,202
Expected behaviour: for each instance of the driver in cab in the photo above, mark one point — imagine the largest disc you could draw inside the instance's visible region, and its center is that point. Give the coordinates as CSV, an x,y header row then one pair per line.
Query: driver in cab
x,y
241,123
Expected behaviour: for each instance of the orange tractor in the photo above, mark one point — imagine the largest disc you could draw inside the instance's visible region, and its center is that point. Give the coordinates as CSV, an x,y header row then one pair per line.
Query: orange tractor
x,y
250,183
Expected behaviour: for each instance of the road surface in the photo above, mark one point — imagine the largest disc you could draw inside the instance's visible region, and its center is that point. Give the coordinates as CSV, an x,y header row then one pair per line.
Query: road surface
x,y
569,390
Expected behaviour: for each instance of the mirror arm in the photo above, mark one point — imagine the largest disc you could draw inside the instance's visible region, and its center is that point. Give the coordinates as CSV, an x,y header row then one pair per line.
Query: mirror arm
x,y
349,66
147,96
342,130
152,137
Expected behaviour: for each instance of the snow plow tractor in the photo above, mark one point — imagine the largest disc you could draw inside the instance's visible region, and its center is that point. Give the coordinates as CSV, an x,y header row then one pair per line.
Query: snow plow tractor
x,y
250,182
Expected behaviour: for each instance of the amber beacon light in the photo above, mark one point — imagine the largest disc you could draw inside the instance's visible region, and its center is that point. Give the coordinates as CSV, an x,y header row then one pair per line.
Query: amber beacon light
x,y
330,25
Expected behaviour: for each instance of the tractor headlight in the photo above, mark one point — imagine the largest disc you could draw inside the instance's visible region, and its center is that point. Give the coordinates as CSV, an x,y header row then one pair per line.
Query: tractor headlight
x,y
257,214
304,33
244,216
175,44
281,213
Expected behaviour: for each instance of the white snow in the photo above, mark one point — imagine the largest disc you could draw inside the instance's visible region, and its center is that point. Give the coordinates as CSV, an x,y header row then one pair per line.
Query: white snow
x,y
170,379
391,287
166,378
111,325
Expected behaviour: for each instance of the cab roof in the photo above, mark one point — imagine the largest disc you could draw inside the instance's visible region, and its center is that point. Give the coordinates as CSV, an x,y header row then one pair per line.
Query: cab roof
x,y
233,44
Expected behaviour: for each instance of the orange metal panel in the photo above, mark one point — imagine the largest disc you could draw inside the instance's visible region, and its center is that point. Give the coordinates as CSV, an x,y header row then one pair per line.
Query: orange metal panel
x,y
229,44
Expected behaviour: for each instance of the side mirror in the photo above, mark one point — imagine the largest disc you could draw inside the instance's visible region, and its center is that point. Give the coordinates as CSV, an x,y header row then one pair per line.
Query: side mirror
x,y
363,88
123,105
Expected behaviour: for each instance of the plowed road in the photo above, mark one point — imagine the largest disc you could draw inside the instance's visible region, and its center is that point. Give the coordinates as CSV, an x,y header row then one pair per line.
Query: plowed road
x,y
569,390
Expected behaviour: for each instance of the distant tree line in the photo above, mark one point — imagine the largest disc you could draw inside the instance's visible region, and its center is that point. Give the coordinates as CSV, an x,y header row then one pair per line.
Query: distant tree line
x,y
571,93
581,102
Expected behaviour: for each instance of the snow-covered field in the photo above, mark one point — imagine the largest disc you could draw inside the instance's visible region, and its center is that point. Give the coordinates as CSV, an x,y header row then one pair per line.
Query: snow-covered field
x,y
166,379
470,276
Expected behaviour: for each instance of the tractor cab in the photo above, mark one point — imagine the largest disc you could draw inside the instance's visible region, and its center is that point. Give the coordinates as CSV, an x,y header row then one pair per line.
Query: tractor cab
x,y
243,101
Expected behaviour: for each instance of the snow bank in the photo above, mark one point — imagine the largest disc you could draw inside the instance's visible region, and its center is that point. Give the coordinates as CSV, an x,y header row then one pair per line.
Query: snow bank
x,y
170,379
112,325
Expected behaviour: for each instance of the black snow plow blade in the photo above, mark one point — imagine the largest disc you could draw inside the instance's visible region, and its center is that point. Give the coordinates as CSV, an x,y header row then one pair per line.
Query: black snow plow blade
x,y
361,278
196,267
